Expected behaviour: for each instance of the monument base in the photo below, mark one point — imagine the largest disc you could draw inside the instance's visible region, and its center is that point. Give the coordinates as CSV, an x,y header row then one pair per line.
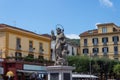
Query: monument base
x,y
60,72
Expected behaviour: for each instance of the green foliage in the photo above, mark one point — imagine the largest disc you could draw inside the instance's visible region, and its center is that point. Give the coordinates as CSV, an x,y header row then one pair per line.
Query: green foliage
x,y
73,41
98,65
29,59
116,69
79,62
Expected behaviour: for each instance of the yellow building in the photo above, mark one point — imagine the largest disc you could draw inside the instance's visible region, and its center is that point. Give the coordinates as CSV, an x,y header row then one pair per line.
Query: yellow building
x,y
103,41
16,42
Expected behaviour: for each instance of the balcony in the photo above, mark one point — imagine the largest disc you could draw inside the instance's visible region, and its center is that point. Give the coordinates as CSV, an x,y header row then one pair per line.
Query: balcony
x,y
29,60
85,44
18,47
41,51
105,55
116,43
116,55
104,44
95,54
95,44
31,50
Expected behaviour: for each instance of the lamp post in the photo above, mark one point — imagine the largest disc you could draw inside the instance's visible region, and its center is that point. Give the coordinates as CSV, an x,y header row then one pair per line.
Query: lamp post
x,y
90,65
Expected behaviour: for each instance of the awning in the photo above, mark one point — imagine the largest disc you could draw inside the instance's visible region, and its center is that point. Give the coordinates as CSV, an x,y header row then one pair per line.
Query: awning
x,y
83,76
31,71
10,74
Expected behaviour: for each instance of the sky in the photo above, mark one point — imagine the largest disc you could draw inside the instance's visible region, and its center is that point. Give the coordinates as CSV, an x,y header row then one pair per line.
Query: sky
x,y
75,16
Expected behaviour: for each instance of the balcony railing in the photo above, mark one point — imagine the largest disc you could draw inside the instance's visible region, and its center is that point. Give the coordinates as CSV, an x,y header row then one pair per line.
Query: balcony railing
x,y
105,54
18,47
116,55
29,60
115,42
31,50
104,44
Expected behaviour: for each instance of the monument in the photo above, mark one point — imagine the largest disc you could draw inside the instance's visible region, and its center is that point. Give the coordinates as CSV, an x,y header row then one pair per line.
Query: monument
x,y
60,70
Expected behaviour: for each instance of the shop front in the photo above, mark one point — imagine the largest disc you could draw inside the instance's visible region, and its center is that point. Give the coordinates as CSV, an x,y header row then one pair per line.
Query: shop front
x,y
13,70
1,69
30,72
1,73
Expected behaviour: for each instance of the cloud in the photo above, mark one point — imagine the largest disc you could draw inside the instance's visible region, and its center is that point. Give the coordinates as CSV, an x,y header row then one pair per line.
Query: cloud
x,y
97,24
107,3
72,36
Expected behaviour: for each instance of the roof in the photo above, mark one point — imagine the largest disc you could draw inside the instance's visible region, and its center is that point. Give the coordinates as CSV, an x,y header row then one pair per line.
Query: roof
x,y
46,35
94,31
105,24
4,26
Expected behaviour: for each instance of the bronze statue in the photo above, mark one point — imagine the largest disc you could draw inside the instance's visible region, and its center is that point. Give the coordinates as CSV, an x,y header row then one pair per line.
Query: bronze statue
x,y
60,47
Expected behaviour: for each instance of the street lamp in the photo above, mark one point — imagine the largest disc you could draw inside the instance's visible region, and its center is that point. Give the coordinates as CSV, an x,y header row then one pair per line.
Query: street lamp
x,y
91,55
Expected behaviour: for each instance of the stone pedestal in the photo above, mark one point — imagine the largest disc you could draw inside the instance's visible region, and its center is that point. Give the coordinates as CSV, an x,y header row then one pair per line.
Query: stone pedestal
x,y
60,72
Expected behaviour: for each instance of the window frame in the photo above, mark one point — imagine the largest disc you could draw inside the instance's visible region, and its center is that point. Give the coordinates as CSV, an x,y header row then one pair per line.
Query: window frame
x,y
85,51
105,50
95,41
18,43
30,46
104,29
85,42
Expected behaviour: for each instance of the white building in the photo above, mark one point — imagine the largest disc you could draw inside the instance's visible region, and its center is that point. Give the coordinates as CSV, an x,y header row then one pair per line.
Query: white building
x,y
73,49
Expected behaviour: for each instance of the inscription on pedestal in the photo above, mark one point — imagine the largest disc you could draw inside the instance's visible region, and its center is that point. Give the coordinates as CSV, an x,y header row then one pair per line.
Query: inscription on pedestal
x,y
66,76
54,76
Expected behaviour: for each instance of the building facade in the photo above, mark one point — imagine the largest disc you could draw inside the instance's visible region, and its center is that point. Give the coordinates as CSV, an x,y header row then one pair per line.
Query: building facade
x,y
16,42
17,45
73,49
103,41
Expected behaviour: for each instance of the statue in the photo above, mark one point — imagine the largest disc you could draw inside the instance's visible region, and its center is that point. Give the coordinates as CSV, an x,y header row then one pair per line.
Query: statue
x,y
60,46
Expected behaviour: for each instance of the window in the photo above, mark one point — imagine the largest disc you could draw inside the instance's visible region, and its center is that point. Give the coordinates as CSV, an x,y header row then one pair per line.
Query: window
x,y
115,39
114,29
41,48
30,46
95,50
18,55
85,42
95,41
18,44
72,51
85,51
115,50
105,40
105,50
104,30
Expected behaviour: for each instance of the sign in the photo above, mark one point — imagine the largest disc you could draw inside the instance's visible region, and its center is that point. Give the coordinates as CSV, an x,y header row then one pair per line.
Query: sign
x,y
33,67
1,60
1,70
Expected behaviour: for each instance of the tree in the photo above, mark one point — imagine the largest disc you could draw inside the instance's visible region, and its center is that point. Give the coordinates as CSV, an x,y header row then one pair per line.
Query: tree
x,y
98,66
81,63
116,70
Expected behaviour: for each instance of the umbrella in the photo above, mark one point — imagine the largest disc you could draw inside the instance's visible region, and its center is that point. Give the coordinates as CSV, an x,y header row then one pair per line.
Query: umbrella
x,y
10,74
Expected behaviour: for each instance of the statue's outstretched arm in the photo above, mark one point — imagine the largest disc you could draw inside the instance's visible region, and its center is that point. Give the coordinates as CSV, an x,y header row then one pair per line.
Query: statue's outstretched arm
x,y
53,35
